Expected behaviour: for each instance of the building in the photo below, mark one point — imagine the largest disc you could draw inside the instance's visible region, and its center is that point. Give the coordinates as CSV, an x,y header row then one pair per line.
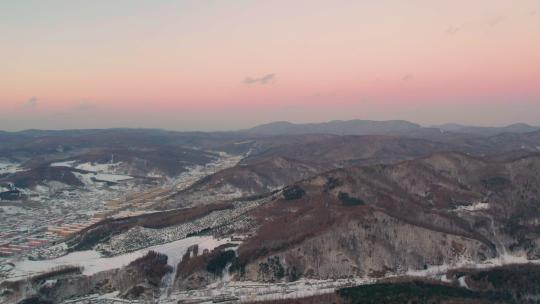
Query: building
x,y
10,195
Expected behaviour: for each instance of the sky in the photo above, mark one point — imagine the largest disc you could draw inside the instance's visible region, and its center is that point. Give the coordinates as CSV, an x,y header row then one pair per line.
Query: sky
x,y
230,64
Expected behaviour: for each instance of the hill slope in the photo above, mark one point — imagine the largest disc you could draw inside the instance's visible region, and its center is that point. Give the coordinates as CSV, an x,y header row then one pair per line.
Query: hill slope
x,y
390,218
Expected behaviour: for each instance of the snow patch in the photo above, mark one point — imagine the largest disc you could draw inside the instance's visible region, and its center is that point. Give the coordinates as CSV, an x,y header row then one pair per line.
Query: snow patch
x,y
109,168
63,164
111,177
437,271
6,167
90,179
474,207
462,283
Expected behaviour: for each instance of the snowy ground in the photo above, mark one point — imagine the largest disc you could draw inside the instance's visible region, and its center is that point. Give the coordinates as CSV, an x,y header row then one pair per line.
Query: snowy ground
x,y
89,179
247,291
439,271
63,164
256,291
195,173
474,207
8,167
108,168
101,172
93,262
139,237
56,204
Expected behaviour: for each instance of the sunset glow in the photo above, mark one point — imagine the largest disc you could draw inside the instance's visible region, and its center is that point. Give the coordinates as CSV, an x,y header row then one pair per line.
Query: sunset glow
x,y
231,64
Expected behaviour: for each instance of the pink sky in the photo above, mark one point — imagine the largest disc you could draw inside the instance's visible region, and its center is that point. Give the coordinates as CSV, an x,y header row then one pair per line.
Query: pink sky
x,y
183,64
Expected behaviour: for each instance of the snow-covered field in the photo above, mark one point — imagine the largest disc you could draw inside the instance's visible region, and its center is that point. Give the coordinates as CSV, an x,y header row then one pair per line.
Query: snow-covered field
x,y
93,262
89,179
102,168
99,172
195,173
109,168
63,164
7,167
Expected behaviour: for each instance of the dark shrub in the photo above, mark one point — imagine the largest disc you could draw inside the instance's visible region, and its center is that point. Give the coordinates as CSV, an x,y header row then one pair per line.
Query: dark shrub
x,y
35,300
271,269
153,266
293,193
416,292
57,272
293,274
218,262
331,183
348,200
496,182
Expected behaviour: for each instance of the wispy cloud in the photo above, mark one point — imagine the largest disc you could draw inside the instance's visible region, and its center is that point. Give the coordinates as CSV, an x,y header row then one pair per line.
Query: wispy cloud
x,y
31,102
407,77
495,20
266,79
451,30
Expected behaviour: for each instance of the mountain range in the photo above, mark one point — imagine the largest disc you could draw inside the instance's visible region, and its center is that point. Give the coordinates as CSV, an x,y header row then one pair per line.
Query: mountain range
x,y
447,214
367,127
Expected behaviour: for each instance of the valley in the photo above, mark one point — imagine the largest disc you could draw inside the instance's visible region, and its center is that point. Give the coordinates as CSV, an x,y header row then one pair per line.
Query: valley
x,y
259,218
52,212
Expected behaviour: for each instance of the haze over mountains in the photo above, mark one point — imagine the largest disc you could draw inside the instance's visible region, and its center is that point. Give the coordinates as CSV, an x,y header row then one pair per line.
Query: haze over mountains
x,y
336,127
313,208
513,128
366,127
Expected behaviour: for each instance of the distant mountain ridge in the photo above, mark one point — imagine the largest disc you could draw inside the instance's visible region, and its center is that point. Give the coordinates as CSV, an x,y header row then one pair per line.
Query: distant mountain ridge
x,y
334,127
388,127
337,127
488,131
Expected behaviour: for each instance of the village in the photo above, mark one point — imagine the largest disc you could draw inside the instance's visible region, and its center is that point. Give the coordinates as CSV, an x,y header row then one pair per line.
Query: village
x,y
34,223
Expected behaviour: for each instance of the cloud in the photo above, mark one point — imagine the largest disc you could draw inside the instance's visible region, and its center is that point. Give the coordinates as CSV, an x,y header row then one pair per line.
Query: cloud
x,y
451,30
495,20
407,77
31,102
266,79
533,13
